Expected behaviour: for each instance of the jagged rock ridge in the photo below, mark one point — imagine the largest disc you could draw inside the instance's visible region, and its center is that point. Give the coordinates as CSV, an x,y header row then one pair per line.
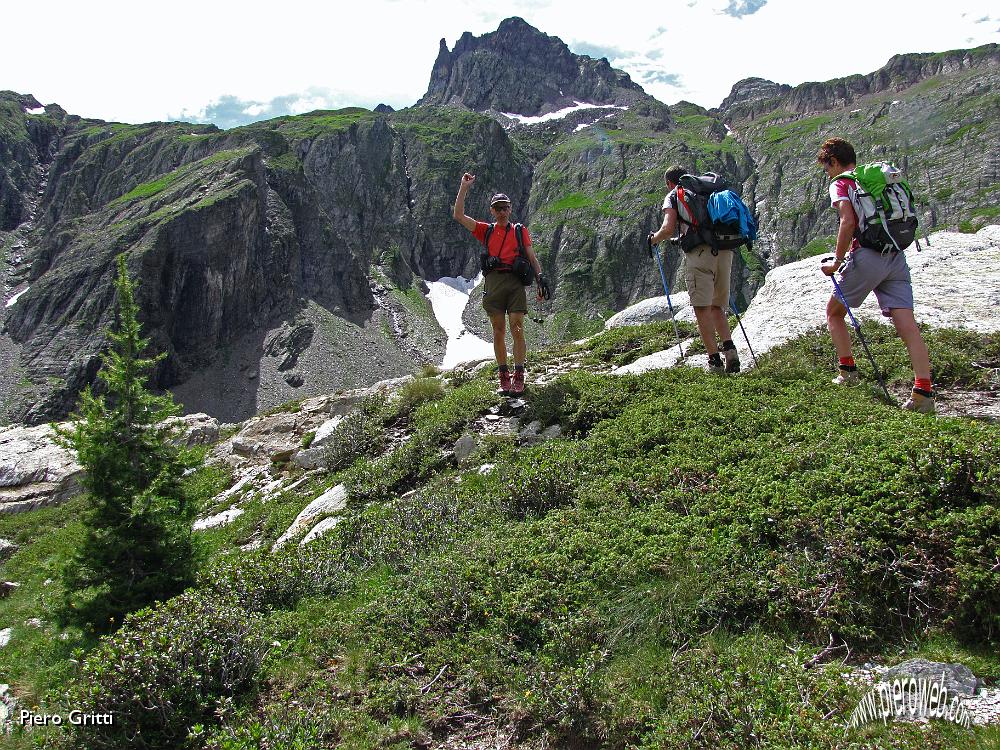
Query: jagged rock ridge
x,y
519,69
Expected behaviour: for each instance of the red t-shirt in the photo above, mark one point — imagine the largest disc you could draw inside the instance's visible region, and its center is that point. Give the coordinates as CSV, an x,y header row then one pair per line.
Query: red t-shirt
x,y
503,242
843,189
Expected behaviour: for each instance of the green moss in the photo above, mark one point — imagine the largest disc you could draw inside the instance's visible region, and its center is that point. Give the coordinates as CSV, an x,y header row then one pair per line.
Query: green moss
x,y
286,162
161,183
988,212
576,200
817,246
313,124
804,128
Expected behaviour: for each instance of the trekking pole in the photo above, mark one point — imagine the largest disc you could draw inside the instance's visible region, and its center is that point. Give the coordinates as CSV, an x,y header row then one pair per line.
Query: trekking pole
x,y
857,327
732,302
656,249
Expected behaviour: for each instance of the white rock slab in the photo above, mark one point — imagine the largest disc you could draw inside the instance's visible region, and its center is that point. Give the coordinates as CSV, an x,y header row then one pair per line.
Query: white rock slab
x,y
325,430
331,501
219,519
319,529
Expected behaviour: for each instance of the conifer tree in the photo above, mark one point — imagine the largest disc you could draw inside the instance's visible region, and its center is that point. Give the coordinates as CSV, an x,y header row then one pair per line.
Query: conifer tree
x,y
138,545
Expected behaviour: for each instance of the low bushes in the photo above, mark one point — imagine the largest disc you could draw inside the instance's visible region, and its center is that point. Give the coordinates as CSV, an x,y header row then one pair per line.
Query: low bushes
x,y
168,667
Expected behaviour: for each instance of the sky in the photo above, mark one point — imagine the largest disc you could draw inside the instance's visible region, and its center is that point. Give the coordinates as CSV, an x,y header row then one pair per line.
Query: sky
x,y
235,62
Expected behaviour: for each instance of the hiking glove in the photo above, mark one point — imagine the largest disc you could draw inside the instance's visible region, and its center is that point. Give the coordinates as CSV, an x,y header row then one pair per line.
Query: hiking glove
x,y
544,291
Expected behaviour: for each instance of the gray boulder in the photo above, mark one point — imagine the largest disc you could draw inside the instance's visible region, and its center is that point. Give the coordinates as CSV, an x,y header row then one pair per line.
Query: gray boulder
x,y
464,447
195,429
653,309
958,678
34,470
7,549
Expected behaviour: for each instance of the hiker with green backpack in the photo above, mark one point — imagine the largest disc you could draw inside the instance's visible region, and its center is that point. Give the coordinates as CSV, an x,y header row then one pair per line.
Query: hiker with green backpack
x,y
509,265
877,223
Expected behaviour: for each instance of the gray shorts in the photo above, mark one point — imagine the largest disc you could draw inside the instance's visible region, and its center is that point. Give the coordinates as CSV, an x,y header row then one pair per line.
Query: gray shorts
x,y
887,275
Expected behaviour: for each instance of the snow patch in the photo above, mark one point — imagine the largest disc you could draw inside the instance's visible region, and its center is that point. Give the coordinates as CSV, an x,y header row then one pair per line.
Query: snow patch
x,y
35,111
448,297
559,113
578,128
16,297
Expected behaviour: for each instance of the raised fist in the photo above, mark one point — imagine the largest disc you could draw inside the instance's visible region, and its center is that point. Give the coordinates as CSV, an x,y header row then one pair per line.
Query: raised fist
x,y
468,179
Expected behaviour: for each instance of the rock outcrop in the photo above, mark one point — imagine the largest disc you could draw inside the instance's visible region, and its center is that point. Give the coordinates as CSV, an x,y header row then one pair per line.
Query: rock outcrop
x,y
519,69
34,470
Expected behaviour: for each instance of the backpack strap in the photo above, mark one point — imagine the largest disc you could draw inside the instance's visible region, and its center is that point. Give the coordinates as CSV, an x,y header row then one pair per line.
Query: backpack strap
x,y
486,239
687,207
519,234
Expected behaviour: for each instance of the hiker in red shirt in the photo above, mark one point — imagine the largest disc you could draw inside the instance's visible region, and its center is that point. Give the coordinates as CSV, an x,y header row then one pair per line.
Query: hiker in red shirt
x,y
504,297
863,270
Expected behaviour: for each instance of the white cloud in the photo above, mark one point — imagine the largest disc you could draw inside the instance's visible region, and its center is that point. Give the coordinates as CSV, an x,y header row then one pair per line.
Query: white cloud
x,y
123,61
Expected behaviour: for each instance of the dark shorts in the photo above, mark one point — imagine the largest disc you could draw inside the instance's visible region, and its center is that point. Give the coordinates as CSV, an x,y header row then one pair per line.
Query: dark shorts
x,y
504,293
887,275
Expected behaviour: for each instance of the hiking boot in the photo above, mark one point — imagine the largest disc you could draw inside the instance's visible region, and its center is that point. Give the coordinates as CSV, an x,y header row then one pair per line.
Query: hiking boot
x,y
505,382
846,377
732,361
732,358
517,385
715,365
920,403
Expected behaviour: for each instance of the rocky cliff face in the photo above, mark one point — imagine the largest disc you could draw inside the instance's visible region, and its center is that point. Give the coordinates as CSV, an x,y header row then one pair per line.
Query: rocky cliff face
x,y
287,258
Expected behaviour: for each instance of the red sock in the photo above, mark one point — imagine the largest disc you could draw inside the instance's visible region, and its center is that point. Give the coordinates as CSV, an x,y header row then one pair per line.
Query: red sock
x,y
847,361
923,384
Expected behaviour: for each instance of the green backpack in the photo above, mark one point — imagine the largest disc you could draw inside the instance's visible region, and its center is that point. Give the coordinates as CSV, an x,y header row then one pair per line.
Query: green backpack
x,y
887,221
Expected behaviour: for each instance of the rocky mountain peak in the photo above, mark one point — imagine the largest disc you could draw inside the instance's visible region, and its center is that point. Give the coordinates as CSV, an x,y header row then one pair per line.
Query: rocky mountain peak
x,y
519,69
750,97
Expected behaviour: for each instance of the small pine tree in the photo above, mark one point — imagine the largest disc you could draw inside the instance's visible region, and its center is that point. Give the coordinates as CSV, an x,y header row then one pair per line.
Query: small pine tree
x,y
138,543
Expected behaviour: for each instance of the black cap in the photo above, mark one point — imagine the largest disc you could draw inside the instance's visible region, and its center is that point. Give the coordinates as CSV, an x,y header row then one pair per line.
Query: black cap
x,y
499,198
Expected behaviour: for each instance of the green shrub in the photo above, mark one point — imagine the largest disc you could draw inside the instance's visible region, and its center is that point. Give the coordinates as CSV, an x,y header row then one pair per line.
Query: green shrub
x,y
168,668
419,391
360,433
622,346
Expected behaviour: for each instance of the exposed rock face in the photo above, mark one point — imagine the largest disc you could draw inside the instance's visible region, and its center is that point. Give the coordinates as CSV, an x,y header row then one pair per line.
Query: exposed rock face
x,y
519,69
754,96
34,471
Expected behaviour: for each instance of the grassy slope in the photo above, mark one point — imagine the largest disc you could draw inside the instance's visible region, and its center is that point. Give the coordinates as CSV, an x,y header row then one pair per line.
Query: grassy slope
x,y
666,569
